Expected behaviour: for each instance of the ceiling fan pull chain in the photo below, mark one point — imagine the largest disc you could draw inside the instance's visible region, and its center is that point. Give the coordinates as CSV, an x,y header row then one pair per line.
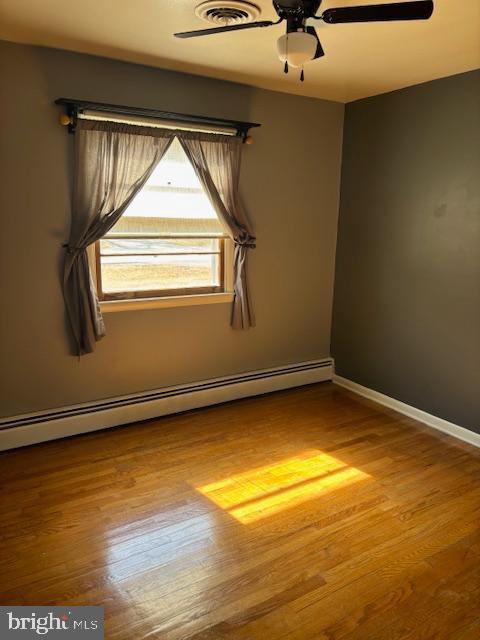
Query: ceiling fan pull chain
x,y
285,68
302,76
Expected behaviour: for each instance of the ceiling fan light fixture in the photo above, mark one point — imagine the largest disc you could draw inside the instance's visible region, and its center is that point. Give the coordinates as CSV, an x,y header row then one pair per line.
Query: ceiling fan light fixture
x,y
296,48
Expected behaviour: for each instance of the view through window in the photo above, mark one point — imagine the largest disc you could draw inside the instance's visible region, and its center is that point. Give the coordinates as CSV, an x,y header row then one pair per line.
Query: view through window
x,y
169,241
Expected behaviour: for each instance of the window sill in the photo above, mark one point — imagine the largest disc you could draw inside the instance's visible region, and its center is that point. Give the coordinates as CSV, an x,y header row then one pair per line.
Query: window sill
x,y
139,304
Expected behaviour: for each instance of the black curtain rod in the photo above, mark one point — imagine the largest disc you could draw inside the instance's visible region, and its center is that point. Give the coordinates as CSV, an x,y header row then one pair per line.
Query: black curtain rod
x,y
75,107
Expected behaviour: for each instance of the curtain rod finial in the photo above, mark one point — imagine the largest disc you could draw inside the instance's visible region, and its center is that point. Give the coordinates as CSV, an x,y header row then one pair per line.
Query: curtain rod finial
x,y
65,119
249,140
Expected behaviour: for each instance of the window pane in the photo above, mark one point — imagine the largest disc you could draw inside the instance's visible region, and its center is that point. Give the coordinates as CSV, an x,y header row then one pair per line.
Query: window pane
x,y
177,202
158,245
154,273
159,225
172,201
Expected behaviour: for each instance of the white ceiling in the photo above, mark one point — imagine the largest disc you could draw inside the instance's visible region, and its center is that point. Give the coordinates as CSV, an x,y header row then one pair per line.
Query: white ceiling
x,y
361,59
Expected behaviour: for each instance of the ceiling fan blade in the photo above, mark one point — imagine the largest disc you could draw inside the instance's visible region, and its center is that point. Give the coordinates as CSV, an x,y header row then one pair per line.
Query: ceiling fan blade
x,y
319,52
420,10
233,27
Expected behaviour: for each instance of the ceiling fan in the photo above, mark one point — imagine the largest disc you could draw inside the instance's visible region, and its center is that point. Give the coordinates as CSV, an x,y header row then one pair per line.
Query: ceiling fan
x,y
300,44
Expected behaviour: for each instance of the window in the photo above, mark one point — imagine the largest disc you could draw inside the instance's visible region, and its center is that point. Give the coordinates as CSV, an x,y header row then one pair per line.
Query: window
x,y
169,241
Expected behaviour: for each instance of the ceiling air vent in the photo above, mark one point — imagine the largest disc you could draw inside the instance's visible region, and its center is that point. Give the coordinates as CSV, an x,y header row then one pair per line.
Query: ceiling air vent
x,y
227,12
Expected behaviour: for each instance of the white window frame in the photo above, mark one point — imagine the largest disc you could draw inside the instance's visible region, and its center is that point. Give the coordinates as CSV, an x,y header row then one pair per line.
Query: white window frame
x,y
184,300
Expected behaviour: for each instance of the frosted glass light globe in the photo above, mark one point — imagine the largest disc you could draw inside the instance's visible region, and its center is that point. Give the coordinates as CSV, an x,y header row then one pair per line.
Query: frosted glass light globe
x,y
296,48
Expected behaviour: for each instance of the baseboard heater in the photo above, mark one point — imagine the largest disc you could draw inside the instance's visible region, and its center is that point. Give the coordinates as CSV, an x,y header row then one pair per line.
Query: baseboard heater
x,y
22,430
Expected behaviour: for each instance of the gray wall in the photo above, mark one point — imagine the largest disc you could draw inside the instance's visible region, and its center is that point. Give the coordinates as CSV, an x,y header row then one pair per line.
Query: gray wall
x,y
290,184
407,290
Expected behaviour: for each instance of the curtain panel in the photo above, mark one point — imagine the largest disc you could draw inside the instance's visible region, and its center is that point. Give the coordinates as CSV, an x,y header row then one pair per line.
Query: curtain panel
x,y
112,163
216,160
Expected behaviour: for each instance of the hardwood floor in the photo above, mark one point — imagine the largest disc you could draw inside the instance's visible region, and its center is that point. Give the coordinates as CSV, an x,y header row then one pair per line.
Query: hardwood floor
x,y
308,513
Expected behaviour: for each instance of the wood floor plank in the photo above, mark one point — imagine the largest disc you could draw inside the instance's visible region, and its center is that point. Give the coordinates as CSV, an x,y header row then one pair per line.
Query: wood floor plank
x,y
308,513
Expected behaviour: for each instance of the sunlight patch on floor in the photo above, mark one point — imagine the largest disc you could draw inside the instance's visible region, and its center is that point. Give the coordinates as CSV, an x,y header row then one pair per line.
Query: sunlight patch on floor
x,y
264,491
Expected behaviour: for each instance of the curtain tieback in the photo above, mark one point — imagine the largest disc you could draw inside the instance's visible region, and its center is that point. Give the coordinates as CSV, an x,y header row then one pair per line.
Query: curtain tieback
x,y
248,242
72,250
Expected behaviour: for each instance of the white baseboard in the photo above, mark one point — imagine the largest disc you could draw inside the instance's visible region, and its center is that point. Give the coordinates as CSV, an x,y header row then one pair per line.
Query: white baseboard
x,y
22,430
422,416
